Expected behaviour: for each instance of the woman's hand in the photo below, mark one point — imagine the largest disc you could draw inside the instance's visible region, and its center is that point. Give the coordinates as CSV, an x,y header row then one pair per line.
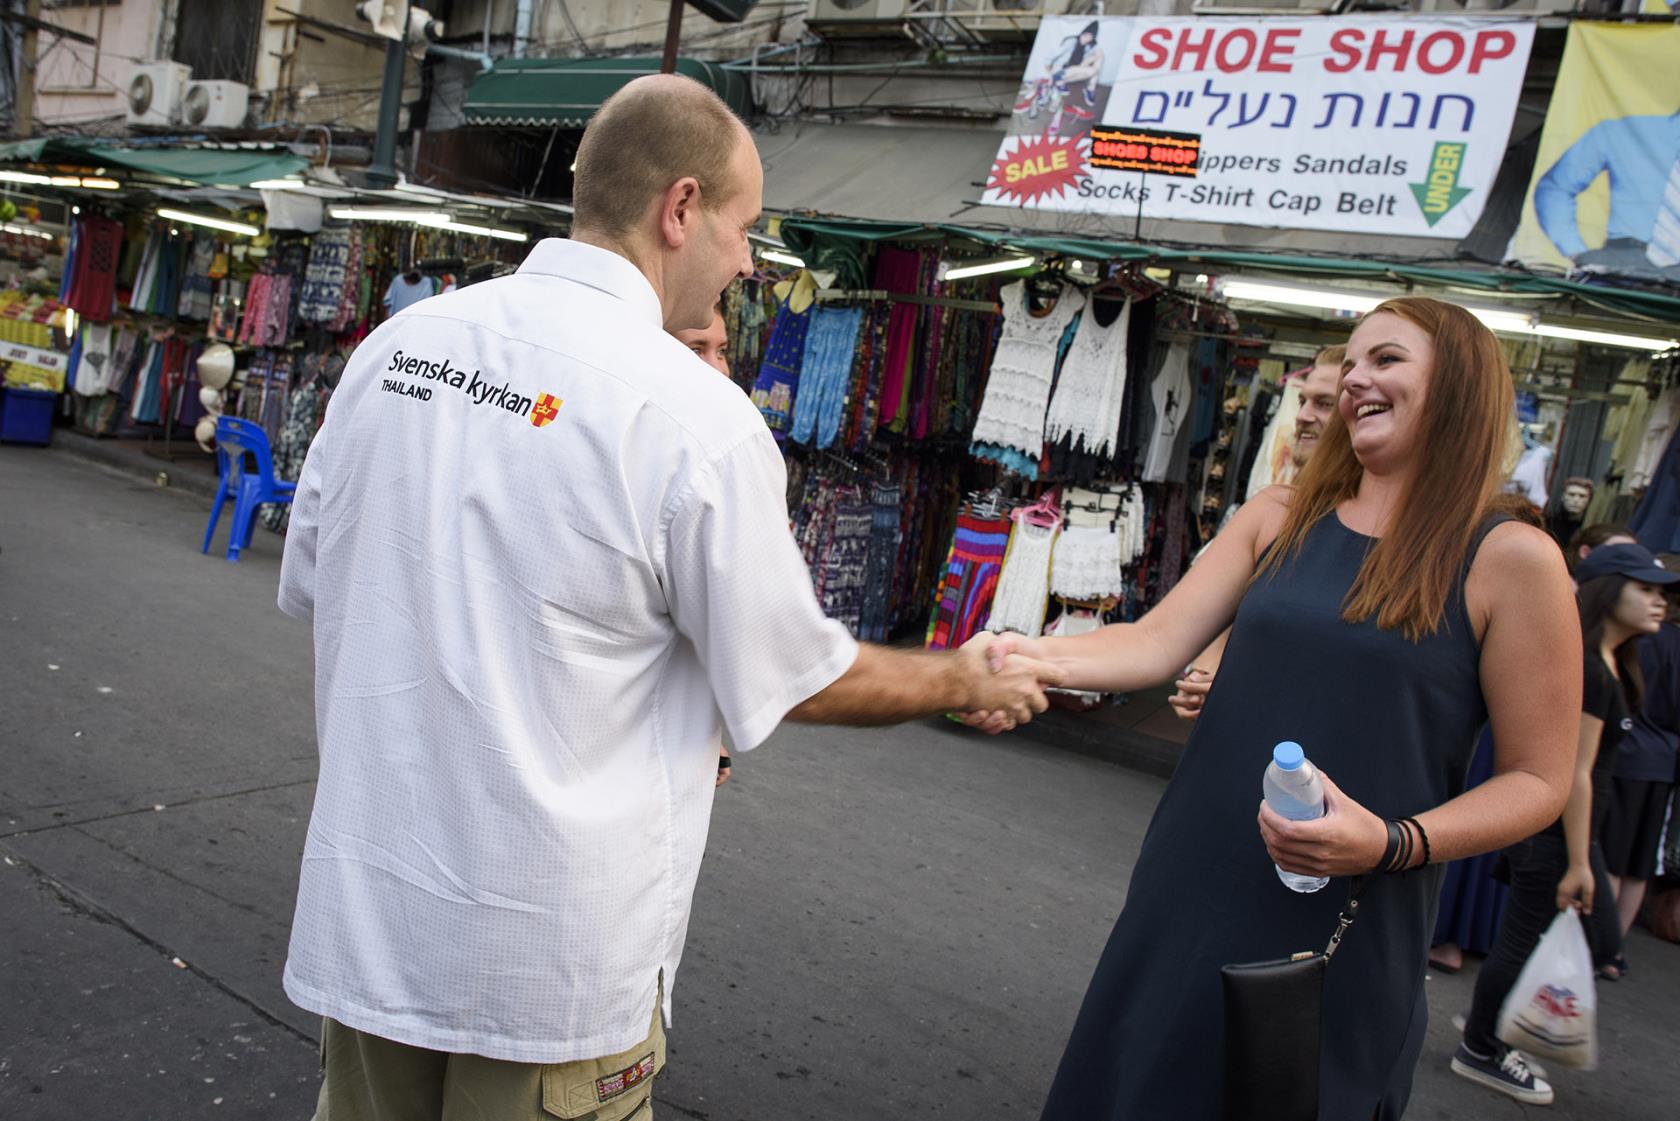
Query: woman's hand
x,y
1576,889
1192,693
1349,840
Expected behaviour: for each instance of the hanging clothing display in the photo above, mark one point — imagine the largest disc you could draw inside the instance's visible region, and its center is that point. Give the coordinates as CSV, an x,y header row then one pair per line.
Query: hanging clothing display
x,y
197,285
885,536
1085,408
95,370
1087,564
92,291
1169,391
825,372
964,594
898,270
778,372
1010,428
268,299
1273,450
1023,587
323,282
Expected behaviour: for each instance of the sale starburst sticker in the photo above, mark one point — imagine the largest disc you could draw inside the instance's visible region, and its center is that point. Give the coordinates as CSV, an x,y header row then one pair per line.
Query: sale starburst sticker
x,y
1037,167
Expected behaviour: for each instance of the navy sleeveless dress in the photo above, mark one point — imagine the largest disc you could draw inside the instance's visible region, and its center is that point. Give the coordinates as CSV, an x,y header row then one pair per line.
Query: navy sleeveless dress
x,y
1393,723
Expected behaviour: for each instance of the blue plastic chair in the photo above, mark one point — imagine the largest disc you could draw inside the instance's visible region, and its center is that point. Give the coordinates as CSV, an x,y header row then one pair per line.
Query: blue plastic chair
x,y
249,490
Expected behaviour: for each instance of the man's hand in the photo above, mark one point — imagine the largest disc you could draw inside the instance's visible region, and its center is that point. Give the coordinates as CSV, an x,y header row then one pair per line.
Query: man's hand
x,y
724,765
1348,840
1192,693
1576,889
1010,683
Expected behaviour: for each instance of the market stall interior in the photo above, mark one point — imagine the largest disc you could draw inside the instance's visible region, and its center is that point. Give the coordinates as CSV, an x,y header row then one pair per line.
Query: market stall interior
x,y
123,264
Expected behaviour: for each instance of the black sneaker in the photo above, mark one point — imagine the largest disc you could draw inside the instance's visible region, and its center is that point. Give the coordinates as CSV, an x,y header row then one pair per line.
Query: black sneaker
x,y
1505,1072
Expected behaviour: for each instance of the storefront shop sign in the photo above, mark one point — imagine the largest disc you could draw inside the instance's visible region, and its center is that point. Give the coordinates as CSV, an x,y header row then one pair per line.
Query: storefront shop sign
x,y
1606,190
1385,125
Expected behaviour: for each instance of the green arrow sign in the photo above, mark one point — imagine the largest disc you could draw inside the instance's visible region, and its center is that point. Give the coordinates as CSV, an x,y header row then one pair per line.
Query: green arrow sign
x,y
1440,192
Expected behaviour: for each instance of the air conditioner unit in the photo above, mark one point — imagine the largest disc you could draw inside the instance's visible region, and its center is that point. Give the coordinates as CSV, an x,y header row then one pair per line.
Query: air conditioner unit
x,y
215,104
856,17
155,91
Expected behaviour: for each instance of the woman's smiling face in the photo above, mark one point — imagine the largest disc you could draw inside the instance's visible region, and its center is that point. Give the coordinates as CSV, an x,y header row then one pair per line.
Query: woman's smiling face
x,y
1385,380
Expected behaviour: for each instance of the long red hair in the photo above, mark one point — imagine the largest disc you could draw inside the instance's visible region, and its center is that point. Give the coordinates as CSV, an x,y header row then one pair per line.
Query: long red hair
x,y
1463,435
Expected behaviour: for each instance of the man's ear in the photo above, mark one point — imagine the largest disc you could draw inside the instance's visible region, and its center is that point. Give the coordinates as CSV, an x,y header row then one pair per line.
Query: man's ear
x,y
678,208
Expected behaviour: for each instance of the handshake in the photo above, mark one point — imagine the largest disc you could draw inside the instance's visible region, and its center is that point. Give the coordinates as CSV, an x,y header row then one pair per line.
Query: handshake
x,y
1006,675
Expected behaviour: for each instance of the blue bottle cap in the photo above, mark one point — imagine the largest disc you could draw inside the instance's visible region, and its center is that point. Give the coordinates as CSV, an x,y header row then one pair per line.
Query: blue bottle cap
x,y
1288,755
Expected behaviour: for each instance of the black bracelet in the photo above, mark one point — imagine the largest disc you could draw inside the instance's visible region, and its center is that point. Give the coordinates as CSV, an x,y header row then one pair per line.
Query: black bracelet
x,y
1404,860
1416,824
1386,864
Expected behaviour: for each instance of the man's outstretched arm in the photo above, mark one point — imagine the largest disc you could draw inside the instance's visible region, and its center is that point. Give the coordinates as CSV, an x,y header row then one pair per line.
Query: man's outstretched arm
x,y
888,686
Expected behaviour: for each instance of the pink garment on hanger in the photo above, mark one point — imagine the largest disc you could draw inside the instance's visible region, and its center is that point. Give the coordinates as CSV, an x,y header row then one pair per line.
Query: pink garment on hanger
x,y
897,270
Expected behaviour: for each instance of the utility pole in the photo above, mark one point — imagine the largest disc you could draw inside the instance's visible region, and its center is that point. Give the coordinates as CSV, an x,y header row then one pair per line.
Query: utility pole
x,y
24,104
673,32
383,171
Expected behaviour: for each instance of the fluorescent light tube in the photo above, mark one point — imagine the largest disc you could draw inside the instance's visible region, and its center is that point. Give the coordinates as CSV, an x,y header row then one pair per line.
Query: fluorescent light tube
x,y
986,268
1358,303
381,214
483,231
100,183
205,220
26,231
276,184
782,258
24,177
1262,293
1606,338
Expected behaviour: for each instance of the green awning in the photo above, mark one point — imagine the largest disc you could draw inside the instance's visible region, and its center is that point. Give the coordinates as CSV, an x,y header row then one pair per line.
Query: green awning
x,y
565,92
836,244
232,167
210,166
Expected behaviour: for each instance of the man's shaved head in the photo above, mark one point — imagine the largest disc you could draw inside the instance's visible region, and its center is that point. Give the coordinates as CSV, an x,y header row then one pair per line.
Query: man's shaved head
x,y
656,130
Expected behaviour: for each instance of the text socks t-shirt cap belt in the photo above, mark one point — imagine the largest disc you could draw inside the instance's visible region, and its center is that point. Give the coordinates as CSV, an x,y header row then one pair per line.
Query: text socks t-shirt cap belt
x,y
545,550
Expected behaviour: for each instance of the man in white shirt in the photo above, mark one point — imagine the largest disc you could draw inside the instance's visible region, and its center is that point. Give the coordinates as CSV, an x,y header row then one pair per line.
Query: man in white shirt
x,y
546,556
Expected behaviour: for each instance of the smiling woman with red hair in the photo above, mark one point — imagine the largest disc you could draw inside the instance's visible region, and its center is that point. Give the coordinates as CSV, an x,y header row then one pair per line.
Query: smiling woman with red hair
x,y
1382,609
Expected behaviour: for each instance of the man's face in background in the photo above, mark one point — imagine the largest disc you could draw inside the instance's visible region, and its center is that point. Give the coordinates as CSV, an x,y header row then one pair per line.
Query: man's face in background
x,y
1318,388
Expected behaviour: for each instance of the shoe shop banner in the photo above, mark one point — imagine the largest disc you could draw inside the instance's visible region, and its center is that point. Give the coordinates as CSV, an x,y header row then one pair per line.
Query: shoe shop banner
x,y
1606,190
1383,124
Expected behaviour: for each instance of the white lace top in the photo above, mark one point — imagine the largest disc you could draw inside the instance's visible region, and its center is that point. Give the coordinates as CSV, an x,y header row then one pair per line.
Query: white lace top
x,y
1092,386
1023,368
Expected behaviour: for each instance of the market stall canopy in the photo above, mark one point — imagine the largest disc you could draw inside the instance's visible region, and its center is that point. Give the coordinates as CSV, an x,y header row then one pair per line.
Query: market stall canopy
x,y
838,244
225,166
565,92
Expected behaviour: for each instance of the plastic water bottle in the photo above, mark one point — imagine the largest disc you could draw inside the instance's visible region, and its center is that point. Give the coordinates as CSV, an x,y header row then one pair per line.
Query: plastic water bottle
x,y
1292,788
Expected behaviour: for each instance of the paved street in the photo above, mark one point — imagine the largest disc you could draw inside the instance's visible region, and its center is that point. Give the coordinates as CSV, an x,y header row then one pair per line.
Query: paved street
x,y
890,924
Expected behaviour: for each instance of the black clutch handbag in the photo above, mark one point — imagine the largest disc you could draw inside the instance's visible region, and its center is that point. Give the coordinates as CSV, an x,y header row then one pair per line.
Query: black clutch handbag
x,y
1273,1011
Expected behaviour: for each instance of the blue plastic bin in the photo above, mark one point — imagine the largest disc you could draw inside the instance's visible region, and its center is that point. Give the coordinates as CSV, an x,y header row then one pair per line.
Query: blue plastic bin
x,y
26,416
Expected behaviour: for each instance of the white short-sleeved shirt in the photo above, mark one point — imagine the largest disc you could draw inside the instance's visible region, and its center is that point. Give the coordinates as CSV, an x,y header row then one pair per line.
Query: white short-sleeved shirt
x,y
547,557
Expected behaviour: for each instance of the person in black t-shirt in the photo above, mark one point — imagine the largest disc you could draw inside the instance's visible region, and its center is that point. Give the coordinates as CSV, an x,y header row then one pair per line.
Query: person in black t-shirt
x,y
1620,595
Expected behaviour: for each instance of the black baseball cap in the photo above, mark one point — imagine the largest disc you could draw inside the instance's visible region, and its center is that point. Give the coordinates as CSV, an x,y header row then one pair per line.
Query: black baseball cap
x,y
1633,561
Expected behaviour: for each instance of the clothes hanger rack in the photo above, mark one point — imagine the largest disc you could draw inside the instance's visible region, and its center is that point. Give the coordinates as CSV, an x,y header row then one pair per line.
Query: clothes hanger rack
x,y
867,295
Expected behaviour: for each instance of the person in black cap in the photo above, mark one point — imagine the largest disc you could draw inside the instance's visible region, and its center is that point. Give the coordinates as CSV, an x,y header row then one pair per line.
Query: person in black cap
x,y
1620,596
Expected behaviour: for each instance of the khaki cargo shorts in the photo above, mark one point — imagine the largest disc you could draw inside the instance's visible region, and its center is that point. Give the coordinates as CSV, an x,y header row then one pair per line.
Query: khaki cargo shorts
x,y
368,1078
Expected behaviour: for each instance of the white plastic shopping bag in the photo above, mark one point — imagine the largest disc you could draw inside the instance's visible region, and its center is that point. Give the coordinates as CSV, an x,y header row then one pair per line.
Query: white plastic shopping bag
x,y
1552,1009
